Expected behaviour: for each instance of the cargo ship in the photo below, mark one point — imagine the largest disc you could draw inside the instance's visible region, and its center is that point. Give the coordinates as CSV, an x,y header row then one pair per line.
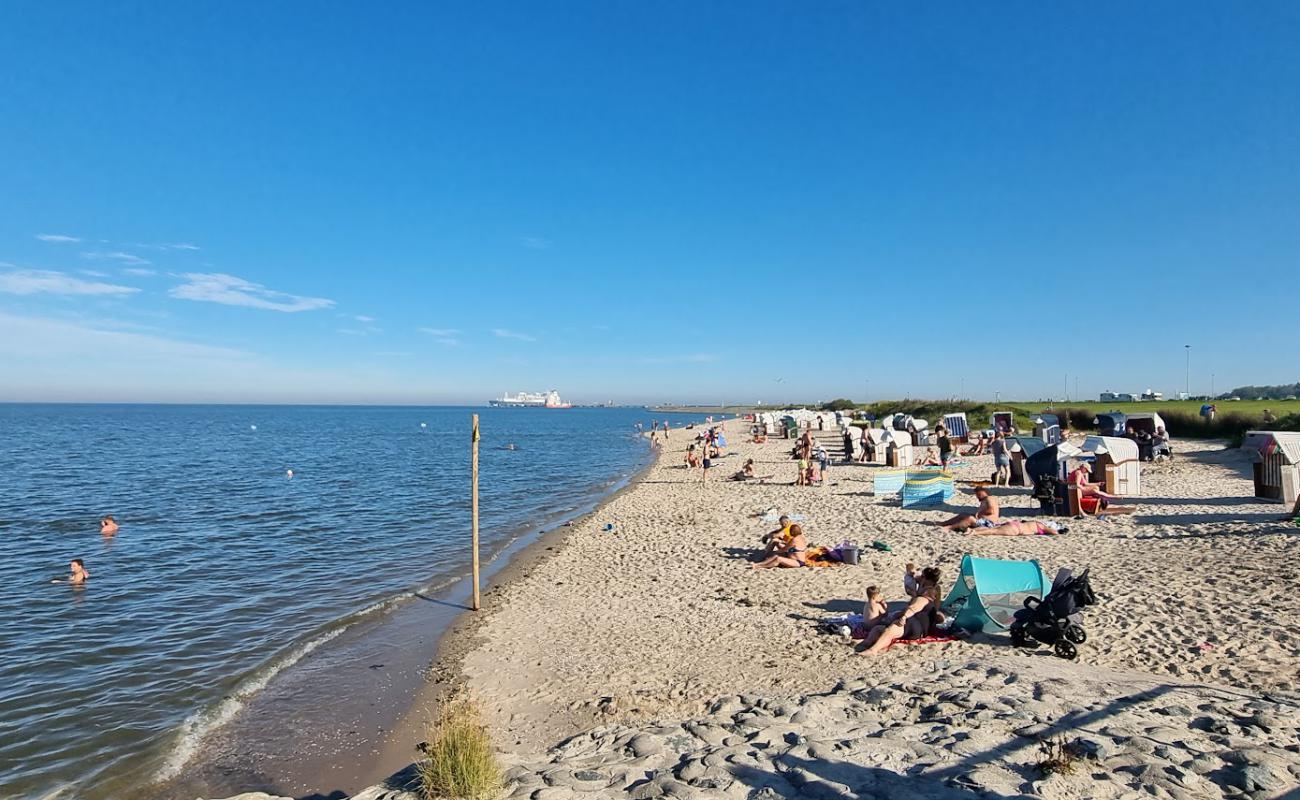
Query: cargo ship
x,y
550,399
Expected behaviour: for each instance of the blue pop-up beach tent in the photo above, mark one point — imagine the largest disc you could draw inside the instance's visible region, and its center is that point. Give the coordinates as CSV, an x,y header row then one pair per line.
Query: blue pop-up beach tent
x,y
989,592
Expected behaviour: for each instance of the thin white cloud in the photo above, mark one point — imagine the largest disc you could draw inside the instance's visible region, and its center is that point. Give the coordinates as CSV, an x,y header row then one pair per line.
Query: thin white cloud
x,y
34,281
503,333
56,237
45,338
94,273
142,272
165,246
441,331
117,255
363,318
216,287
536,243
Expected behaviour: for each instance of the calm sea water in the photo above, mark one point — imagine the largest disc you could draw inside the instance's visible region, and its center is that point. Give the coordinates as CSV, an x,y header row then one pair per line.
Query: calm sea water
x,y
226,570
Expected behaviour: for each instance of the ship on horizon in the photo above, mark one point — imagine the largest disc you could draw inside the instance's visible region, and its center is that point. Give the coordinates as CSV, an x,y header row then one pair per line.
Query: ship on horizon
x,y
549,399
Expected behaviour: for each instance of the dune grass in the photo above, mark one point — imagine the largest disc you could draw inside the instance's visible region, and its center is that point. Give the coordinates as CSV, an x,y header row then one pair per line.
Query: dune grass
x,y
459,762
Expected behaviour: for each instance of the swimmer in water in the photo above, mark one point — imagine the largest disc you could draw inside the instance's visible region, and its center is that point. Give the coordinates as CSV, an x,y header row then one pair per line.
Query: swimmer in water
x,y
288,473
77,573
108,526
511,446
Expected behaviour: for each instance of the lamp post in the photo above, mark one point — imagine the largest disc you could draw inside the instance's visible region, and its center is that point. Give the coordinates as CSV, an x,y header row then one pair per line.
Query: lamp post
x,y
1187,376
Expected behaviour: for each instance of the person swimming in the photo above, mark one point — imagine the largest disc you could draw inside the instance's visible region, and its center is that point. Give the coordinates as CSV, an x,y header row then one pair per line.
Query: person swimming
x,y
107,525
77,573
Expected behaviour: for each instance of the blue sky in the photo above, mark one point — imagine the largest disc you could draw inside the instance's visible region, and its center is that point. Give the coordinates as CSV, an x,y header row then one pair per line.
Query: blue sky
x,y
342,202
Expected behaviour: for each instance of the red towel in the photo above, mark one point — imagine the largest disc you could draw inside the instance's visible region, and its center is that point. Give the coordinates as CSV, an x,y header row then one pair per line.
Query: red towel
x,y
947,637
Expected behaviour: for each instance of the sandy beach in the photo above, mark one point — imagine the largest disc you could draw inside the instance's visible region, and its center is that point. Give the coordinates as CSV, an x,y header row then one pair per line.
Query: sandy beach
x,y
652,646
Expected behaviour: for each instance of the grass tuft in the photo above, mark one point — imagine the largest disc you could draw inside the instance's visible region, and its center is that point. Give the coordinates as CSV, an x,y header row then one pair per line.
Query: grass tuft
x,y
1058,757
459,762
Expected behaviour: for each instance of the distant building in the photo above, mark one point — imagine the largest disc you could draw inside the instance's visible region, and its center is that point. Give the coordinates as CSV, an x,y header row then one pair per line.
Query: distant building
x,y
1117,397
1151,394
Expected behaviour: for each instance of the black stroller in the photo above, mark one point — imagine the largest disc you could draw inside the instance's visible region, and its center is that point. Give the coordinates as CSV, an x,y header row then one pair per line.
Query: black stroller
x,y
1056,619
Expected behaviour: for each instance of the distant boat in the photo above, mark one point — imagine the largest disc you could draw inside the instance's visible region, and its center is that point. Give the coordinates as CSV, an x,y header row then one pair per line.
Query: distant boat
x,y
550,399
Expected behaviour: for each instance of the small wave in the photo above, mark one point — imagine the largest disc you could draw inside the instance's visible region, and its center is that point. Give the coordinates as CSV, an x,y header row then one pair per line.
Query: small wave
x,y
191,733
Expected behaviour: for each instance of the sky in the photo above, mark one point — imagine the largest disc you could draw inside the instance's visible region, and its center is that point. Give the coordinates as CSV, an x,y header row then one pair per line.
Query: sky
x,y
645,202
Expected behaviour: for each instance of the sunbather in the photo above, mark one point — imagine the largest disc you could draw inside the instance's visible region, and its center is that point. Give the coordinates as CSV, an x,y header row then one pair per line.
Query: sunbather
x,y
1079,477
788,553
977,447
929,459
1018,528
914,622
986,516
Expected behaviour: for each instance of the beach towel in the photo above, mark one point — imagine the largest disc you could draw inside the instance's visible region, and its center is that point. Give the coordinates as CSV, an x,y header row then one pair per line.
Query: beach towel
x,y
822,557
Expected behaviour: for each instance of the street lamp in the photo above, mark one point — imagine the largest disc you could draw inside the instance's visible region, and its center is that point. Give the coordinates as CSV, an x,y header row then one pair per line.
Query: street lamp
x,y
1187,377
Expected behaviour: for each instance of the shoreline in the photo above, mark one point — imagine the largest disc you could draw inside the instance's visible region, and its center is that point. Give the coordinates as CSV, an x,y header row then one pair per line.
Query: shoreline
x,y
653,655
227,751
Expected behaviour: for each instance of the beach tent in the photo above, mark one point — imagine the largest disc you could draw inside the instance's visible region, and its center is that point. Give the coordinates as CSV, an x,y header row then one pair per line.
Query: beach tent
x,y
1110,424
1047,427
1117,466
1003,421
989,592
958,430
1277,464
1022,447
927,488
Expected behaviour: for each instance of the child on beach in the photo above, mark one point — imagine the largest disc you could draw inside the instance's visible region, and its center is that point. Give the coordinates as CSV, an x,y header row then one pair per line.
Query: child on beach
x,y
802,479
77,573
875,609
910,584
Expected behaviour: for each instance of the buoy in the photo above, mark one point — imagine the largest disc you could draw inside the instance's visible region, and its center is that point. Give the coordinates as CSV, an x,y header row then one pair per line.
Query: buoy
x,y
288,474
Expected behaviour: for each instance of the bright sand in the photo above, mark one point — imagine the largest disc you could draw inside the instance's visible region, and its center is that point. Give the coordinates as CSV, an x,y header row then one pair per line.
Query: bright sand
x,y
638,631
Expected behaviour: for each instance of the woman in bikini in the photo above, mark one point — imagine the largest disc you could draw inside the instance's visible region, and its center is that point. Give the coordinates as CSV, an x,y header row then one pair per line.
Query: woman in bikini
x,y
790,553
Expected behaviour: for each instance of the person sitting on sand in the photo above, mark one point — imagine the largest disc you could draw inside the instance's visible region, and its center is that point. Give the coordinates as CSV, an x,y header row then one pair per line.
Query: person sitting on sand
x,y
777,538
875,609
977,447
759,438
108,526
929,459
746,472
1160,444
1019,528
915,622
987,515
814,473
1079,477
77,573
692,459
788,553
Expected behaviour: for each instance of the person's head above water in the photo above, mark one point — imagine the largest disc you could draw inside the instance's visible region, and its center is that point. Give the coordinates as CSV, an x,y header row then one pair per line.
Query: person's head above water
x,y
107,524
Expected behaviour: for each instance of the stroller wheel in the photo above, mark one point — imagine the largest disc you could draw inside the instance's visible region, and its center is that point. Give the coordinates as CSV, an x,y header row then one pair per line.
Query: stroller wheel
x,y
1065,649
1076,634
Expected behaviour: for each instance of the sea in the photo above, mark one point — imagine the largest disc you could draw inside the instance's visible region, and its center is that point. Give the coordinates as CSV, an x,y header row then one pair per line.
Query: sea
x,y
249,536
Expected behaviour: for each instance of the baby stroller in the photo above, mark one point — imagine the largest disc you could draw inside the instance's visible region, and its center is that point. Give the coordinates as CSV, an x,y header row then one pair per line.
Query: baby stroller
x,y
1055,620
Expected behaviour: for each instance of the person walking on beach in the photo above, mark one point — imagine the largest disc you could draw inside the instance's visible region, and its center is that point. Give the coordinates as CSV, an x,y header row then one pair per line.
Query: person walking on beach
x,y
665,430
77,573
945,444
1001,460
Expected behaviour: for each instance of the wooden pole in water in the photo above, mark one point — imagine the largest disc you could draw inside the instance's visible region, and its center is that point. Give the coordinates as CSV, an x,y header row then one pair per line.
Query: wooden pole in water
x,y
474,507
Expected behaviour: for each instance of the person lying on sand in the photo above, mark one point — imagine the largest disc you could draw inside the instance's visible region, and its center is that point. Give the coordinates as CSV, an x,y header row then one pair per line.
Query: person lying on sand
x,y
788,552
1019,528
108,526
915,622
986,516
77,573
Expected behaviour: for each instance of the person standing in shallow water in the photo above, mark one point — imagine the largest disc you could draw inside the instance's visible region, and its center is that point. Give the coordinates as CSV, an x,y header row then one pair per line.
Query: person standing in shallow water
x,y
108,526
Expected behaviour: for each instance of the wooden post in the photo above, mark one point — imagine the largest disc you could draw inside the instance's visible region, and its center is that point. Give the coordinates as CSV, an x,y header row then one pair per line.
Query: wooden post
x,y
474,507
